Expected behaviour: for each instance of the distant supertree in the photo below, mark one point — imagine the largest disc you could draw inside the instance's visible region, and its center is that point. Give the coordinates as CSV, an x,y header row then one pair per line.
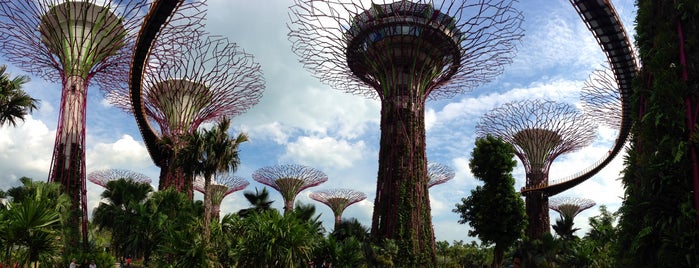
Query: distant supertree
x,y
189,80
601,98
404,52
338,200
540,131
76,43
221,186
103,176
438,173
289,180
570,206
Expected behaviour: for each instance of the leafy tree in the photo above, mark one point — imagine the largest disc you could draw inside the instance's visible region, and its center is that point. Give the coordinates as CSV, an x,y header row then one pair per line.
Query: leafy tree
x,y
494,211
14,103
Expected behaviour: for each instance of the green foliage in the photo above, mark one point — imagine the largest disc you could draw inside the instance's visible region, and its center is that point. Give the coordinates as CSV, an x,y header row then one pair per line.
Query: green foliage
x,y
658,221
495,210
14,103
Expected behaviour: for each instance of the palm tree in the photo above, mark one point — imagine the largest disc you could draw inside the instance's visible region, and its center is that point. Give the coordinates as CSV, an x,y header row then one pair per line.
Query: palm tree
x,y
208,152
118,212
33,221
14,103
258,200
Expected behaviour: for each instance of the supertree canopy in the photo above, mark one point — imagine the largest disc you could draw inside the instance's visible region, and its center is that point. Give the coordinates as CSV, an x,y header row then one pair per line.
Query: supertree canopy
x,y
570,206
289,180
404,52
540,131
189,80
220,187
103,176
76,43
438,173
601,98
338,200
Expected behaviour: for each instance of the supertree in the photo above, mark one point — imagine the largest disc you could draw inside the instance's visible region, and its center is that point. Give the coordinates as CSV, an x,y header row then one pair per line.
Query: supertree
x,y
222,185
438,173
289,180
103,176
540,131
338,200
403,53
76,43
601,98
570,206
189,79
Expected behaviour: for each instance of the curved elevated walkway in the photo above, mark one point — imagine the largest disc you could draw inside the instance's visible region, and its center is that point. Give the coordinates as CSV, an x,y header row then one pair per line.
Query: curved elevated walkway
x,y
602,20
157,16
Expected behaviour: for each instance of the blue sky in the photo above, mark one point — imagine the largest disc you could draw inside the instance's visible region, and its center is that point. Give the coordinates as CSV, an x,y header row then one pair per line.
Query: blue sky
x,y
301,121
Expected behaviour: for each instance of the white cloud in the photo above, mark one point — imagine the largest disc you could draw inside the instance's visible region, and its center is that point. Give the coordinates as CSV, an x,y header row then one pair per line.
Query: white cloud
x,y
324,152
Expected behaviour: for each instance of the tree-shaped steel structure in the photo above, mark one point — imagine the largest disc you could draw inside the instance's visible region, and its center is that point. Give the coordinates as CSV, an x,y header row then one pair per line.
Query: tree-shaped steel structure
x,y
438,173
601,98
289,180
570,206
103,176
222,186
540,131
404,52
189,80
77,43
338,200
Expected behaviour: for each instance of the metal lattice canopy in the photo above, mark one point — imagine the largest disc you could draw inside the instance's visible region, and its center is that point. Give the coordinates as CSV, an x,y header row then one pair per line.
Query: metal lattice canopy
x,y
104,176
338,199
439,173
540,130
446,47
601,98
570,206
289,180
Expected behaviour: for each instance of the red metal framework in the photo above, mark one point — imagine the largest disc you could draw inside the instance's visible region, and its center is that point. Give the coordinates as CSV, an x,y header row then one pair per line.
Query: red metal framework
x,y
601,98
189,79
289,180
221,186
438,173
77,43
570,206
104,176
338,200
540,131
404,52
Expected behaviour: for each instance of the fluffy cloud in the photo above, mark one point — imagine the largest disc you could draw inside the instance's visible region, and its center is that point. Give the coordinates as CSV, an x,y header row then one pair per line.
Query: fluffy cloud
x,y
324,152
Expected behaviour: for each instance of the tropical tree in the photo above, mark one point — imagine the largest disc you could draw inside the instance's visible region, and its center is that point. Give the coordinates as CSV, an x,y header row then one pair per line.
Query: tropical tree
x,y
259,201
208,152
33,222
14,102
271,239
494,211
119,213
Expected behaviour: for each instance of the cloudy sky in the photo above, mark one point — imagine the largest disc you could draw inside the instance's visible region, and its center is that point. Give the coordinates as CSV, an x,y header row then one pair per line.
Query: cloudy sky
x,y
301,121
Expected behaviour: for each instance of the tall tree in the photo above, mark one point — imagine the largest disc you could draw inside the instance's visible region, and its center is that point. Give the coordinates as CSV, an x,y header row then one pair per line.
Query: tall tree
x,y
495,210
209,152
14,102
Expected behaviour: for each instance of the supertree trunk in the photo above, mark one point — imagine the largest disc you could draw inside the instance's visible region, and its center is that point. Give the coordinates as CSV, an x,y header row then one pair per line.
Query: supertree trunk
x,y
402,202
